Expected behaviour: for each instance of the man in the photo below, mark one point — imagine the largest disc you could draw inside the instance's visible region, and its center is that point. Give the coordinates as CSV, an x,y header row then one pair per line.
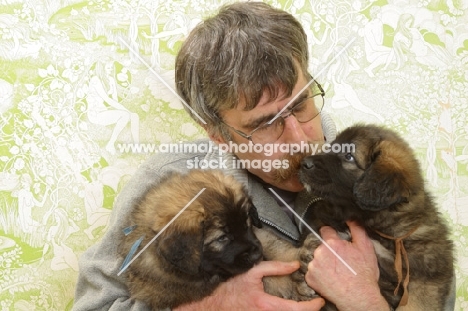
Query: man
x,y
237,71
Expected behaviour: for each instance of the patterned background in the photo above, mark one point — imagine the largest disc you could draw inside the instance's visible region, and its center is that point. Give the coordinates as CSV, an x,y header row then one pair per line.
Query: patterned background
x,y
71,94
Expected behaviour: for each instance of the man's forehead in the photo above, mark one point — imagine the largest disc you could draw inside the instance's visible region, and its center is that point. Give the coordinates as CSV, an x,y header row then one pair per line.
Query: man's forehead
x,y
259,114
266,99
278,92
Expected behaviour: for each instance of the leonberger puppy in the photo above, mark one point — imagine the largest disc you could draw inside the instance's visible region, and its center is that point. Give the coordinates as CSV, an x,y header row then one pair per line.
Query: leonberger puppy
x,y
209,242
380,185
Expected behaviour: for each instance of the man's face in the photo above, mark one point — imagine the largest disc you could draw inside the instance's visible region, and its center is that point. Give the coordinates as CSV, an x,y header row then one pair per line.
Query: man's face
x,y
294,133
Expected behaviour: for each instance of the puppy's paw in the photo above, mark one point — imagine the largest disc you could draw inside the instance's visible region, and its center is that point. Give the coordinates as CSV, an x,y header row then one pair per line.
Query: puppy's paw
x,y
301,290
311,242
306,254
291,287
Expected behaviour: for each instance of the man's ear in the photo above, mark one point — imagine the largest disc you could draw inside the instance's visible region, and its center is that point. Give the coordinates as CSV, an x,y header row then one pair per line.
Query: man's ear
x,y
182,248
214,134
383,183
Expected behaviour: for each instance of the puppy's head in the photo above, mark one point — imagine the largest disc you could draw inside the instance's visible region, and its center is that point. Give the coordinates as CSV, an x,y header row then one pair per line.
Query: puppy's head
x,y
213,235
378,170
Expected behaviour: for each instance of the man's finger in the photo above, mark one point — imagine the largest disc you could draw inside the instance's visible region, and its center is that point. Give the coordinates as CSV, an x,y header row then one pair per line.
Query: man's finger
x,y
276,303
358,234
269,268
328,233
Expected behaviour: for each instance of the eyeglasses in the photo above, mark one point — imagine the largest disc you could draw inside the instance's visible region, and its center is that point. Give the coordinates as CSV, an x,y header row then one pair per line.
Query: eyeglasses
x,y
304,111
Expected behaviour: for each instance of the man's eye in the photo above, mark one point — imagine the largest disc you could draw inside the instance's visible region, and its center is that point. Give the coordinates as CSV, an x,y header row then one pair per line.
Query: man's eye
x,y
300,107
267,127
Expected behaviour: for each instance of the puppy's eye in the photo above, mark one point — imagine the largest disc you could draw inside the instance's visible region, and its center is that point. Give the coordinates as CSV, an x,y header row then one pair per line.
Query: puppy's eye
x,y
349,157
223,238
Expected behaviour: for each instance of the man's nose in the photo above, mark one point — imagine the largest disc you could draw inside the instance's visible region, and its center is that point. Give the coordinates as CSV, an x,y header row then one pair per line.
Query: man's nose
x,y
293,132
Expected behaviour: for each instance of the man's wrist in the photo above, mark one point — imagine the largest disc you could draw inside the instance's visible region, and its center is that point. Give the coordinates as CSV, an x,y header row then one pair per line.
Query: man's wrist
x,y
384,305
371,302
205,304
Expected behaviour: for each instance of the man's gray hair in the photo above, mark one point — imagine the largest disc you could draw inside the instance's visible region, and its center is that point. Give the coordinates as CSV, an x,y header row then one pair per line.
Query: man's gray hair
x,y
247,49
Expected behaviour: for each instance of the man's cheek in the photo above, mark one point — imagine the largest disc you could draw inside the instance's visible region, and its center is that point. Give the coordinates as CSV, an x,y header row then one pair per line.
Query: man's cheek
x,y
277,164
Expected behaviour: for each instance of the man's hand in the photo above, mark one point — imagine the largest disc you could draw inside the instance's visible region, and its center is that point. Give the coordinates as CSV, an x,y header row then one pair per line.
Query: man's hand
x,y
245,292
333,280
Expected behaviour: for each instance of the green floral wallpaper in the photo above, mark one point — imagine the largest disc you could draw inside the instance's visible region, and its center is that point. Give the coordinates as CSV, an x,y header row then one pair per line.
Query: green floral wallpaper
x,y
72,94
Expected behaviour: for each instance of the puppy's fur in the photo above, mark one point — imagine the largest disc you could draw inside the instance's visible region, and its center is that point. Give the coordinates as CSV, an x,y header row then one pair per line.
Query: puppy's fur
x,y
211,241
381,186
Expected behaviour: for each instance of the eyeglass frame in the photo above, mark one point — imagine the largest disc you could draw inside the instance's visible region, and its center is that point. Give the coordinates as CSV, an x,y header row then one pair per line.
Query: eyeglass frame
x,y
284,115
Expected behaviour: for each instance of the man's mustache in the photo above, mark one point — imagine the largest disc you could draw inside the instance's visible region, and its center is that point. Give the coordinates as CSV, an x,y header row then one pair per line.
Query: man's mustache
x,y
294,161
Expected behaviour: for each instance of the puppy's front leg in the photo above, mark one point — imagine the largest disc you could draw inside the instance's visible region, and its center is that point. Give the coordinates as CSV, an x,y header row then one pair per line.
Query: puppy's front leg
x,y
305,255
288,286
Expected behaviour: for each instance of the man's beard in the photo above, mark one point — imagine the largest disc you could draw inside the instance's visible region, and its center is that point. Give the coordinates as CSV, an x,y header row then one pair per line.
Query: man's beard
x,y
294,161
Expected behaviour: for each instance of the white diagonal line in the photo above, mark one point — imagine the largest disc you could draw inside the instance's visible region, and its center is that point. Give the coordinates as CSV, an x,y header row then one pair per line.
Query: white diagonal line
x,y
159,233
161,79
311,81
315,233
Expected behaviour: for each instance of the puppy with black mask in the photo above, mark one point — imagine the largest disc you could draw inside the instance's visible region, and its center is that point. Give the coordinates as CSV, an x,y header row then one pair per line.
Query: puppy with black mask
x,y
209,242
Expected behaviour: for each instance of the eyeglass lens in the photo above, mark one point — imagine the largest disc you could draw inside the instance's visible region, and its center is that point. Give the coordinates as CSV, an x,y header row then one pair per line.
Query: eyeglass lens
x,y
303,112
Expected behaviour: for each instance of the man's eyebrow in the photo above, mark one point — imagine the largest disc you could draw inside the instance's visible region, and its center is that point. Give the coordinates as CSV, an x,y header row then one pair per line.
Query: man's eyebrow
x,y
299,99
254,123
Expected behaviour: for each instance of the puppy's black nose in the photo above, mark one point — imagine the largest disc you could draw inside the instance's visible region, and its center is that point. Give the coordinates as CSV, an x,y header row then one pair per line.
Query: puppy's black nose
x,y
255,253
308,163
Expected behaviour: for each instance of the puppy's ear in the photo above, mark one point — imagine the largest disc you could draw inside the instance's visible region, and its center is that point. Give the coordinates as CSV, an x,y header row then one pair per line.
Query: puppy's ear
x,y
183,247
384,182
253,214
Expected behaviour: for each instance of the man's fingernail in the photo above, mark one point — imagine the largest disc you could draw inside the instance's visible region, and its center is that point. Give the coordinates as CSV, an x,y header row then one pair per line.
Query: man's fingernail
x,y
294,264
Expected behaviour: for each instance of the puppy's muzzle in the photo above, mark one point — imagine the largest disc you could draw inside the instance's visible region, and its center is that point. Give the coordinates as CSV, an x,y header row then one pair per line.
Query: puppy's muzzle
x,y
308,164
254,254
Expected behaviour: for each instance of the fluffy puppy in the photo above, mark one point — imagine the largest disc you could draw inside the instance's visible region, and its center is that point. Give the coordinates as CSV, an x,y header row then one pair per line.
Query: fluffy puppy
x,y
209,242
380,185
